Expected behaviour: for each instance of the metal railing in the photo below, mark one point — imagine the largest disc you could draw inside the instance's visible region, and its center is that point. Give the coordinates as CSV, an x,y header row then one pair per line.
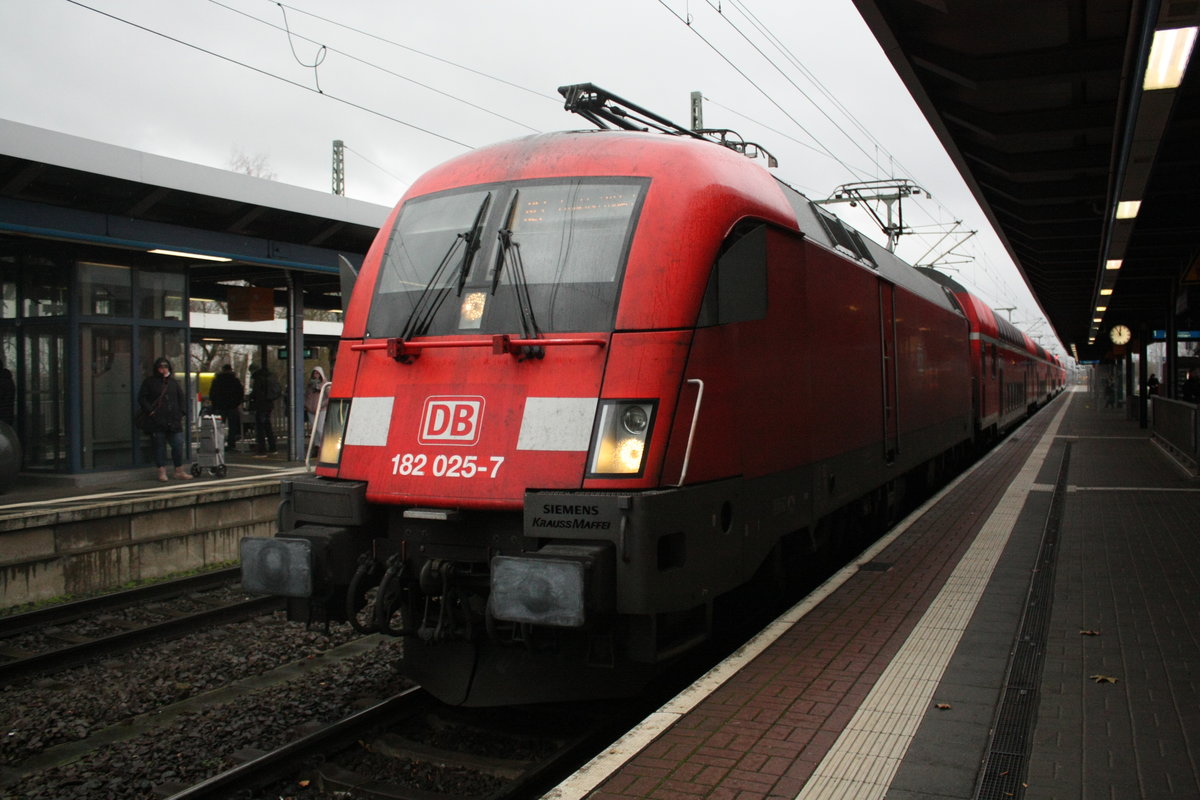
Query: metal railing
x,y
1176,426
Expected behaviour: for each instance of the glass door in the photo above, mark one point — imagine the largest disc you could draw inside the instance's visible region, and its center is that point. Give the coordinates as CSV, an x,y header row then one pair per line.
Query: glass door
x,y
44,438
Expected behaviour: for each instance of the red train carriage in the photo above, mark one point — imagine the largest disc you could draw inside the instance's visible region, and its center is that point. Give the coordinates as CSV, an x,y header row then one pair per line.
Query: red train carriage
x,y
1011,374
589,383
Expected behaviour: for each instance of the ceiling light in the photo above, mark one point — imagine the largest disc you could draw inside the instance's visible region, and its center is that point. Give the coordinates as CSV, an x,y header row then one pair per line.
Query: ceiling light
x,y
1128,209
1105,292
1097,319
1101,309
1169,54
188,255
1112,263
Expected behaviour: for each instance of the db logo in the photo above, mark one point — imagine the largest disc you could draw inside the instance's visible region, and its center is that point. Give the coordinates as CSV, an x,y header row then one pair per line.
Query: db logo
x,y
451,420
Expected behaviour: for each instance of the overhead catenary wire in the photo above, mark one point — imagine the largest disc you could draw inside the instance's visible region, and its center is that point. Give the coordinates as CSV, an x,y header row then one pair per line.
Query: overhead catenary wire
x,y
319,59
391,175
820,108
982,265
687,21
364,62
269,74
556,100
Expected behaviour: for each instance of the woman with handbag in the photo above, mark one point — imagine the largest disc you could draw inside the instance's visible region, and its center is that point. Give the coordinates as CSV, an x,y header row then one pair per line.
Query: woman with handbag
x,y
160,413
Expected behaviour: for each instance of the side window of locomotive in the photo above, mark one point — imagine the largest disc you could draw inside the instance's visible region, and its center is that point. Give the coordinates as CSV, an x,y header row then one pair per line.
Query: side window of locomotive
x,y
737,285
844,237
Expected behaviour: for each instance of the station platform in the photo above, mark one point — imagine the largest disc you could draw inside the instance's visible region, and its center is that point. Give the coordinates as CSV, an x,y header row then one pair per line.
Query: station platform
x,y
44,491
1031,631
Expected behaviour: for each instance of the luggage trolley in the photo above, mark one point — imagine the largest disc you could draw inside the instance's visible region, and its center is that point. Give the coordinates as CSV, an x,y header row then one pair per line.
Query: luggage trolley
x,y
211,453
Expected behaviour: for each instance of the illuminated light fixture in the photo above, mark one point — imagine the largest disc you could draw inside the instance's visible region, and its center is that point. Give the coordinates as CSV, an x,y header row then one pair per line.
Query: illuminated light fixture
x,y
470,313
1128,209
1169,54
188,255
1101,309
1112,263
1105,292
1097,319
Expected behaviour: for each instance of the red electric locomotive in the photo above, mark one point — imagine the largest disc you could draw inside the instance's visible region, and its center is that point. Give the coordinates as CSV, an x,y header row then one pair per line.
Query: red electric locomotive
x,y
589,383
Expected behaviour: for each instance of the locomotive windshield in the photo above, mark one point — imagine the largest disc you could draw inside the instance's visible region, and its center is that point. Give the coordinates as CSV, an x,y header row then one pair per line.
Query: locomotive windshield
x,y
529,257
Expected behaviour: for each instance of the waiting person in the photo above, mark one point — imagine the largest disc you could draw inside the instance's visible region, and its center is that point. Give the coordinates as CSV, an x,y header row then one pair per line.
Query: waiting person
x,y
314,404
226,395
161,399
264,391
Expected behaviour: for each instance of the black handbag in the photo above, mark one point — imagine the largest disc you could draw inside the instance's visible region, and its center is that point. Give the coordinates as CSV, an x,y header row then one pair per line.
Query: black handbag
x,y
144,420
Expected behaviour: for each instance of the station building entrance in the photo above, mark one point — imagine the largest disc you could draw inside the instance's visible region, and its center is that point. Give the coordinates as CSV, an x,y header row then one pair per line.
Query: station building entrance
x,y
79,331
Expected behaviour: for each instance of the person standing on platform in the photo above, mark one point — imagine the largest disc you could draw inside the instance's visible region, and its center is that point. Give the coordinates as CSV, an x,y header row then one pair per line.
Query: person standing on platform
x,y
226,396
161,400
264,391
314,404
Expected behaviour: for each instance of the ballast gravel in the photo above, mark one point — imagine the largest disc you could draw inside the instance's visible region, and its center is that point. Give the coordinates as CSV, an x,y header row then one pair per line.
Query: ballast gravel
x,y
77,703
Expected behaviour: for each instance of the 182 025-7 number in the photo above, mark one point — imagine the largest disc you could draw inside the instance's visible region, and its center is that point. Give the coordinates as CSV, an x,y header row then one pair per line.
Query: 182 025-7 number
x,y
443,466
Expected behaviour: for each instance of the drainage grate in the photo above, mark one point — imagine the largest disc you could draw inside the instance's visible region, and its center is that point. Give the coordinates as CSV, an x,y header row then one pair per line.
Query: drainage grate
x,y
1008,752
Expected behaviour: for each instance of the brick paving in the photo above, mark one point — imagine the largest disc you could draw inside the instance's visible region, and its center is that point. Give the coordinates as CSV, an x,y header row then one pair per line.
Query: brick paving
x,y
1127,566
762,733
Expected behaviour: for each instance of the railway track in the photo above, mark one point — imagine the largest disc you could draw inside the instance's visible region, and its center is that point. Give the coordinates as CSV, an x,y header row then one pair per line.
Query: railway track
x,y
410,747
57,637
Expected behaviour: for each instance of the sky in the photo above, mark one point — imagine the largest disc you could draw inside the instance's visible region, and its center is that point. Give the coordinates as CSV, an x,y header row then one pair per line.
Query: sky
x,y
407,85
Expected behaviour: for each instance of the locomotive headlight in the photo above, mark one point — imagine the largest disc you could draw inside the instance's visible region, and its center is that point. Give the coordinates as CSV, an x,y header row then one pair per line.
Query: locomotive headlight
x,y
336,414
620,437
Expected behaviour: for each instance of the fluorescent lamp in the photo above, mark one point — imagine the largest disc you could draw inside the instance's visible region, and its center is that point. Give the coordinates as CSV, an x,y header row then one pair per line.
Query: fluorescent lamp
x,y
1105,292
1128,209
1112,263
1101,309
188,255
1169,54
1097,319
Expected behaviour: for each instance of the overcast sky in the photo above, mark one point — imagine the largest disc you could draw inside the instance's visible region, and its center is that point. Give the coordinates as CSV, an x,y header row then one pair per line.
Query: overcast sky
x,y
407,85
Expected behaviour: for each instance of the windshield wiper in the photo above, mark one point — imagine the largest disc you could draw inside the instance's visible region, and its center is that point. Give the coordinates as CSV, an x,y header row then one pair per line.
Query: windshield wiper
x,y
427,305
509,248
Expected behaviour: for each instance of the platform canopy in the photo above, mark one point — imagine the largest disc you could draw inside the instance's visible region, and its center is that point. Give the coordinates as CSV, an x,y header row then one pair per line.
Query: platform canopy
x,y
1042,106
58,187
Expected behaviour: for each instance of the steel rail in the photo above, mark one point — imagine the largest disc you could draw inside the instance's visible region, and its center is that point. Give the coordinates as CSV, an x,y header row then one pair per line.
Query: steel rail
x,y
280,763
63,657
65,612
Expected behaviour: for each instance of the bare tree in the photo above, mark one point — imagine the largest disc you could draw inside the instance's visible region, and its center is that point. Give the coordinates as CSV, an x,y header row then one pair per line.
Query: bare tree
x,y
255,165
